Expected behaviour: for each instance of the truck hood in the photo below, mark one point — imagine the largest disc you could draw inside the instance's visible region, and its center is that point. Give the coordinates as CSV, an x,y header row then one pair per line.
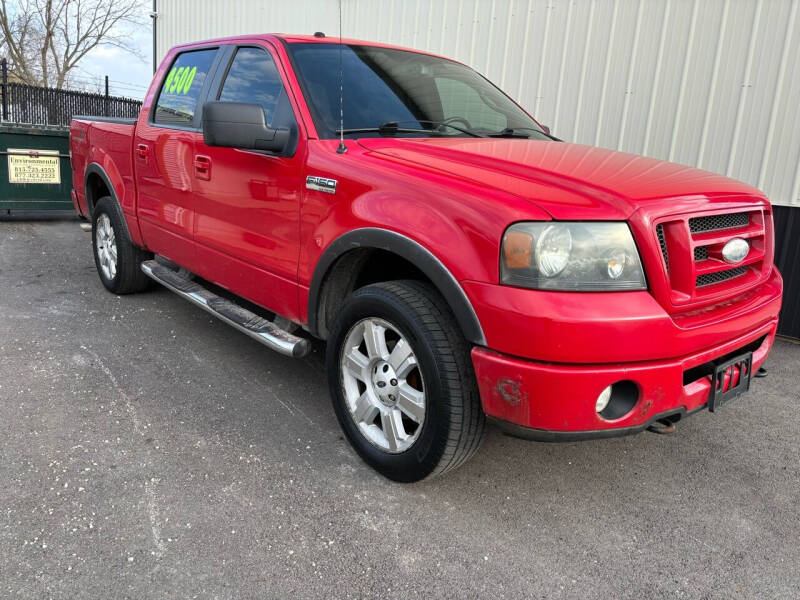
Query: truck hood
x,y
569,181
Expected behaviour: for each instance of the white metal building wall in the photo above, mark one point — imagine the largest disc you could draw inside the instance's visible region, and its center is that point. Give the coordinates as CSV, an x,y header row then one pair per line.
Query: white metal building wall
x,y
709,83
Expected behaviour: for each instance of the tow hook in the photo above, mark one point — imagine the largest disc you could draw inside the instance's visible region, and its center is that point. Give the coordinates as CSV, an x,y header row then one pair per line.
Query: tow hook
x,y
663,427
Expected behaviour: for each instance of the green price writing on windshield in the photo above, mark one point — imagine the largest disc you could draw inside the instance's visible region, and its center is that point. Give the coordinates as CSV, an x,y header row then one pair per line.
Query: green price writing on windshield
x,y
180,80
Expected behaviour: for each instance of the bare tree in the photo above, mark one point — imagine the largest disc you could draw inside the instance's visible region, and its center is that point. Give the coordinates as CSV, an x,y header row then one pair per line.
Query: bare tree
x,y
18,41
46,39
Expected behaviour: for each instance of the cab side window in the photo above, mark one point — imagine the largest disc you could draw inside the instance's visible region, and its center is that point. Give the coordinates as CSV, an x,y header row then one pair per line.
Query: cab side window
x,y
182,86
253,78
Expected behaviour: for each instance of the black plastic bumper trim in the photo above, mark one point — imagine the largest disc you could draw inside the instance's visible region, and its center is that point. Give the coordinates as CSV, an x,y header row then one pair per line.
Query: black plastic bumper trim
x,y
551,436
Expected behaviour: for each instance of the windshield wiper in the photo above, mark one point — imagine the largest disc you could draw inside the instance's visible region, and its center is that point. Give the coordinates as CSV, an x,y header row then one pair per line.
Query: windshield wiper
x,y
516,132
443,124
393,127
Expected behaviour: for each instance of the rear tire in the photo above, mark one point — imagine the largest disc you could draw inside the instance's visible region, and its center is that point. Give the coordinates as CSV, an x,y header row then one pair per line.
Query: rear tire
x,y
402,382
117,259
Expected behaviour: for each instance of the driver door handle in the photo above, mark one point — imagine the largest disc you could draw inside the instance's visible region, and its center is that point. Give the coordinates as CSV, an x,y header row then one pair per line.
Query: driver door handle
x,y
142,152
202,167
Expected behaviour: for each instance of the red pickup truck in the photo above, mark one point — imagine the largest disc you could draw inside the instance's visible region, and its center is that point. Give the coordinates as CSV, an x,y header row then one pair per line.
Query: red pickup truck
x,y
462,263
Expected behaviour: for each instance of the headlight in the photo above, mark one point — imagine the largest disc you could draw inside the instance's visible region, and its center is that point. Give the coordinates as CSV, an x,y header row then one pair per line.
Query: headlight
x,y
590,256
553,249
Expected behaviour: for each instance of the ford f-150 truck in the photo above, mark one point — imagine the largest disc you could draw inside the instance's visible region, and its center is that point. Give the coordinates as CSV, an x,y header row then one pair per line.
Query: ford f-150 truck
x,y
461,263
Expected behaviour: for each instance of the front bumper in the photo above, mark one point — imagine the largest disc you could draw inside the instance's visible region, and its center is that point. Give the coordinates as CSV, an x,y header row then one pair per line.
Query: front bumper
x,y
555,401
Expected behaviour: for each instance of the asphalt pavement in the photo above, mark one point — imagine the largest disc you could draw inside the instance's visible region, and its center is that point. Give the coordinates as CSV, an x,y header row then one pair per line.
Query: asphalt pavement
x,y
150,451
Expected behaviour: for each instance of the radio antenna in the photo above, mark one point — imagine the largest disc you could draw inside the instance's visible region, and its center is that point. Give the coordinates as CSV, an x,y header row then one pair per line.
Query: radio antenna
x,y
342,148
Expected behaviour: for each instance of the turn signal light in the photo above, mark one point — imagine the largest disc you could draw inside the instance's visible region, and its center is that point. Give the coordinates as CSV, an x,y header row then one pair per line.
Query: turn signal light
x,y
517,247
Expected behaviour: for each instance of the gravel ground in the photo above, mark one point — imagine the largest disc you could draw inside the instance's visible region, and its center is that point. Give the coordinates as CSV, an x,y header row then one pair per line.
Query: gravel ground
x,y
149,451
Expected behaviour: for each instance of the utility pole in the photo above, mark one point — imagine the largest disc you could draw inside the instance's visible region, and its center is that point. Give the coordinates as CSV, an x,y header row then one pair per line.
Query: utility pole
x,y
107,104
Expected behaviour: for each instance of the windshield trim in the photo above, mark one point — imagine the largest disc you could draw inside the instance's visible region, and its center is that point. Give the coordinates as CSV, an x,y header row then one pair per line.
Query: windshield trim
x,y
322,130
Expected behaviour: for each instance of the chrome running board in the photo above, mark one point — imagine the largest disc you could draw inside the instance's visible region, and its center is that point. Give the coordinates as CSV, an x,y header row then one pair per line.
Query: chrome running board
x,y
247,322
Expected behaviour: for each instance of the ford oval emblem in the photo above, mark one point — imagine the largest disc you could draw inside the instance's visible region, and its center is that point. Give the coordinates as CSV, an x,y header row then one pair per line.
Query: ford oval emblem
x,y
736,250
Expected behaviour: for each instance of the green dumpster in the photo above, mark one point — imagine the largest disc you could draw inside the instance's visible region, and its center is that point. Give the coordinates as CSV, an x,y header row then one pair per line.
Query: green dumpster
x,y
35,172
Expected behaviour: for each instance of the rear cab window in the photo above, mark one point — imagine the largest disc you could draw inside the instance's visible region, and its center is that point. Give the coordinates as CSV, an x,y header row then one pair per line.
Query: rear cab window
x,y
182,88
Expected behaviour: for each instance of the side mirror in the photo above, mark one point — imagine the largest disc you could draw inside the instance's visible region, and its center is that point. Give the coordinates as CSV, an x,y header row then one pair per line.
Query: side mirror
x,y
241,125
546,129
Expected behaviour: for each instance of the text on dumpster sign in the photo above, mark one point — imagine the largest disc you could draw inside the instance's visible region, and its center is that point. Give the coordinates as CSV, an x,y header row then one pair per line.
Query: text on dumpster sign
x,y
33,166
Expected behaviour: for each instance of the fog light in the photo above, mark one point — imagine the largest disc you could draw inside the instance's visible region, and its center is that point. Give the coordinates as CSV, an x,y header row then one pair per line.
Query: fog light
x,y
602,399
617,400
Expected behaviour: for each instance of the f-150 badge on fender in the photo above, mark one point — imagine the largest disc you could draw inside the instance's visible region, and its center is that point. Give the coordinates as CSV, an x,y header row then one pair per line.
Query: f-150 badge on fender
x,y
321,184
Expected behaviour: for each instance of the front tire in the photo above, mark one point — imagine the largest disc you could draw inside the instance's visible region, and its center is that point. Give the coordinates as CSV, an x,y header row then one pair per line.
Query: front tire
x,y
402,381
117,259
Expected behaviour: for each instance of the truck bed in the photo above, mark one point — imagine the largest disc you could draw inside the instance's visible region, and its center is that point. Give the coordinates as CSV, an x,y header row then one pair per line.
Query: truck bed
x,y
118,120
106,141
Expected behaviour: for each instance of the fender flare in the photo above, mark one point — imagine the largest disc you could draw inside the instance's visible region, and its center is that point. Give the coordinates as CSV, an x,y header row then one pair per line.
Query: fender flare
x,y
96,169
415,253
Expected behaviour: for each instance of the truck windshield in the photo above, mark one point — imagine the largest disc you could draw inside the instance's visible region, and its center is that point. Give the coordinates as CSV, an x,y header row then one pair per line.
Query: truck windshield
x,y
384,86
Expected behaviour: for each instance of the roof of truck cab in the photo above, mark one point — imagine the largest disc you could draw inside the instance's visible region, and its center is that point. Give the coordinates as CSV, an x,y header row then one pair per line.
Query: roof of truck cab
x,y
294,38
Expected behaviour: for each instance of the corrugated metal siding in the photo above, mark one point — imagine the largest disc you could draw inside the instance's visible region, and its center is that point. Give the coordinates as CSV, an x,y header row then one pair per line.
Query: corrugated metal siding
x,y
708,83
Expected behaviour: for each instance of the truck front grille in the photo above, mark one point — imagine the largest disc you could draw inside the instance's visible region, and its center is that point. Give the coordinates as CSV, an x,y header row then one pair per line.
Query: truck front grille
x,y
700,253
663,243
717,222
718,276
691,247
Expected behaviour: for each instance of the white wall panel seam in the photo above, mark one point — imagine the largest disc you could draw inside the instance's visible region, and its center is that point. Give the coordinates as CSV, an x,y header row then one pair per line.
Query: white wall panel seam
x,y
632,64
687,61
743,95
416,25
714,78
458,25
428,28
656,79
525,39
488,57
604,90
542,61
443,37
773,113
562,62
584,66
392,21
473,45
506,45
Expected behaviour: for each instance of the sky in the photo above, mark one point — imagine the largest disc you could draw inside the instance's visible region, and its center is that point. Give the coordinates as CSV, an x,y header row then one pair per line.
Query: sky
x,y
128,74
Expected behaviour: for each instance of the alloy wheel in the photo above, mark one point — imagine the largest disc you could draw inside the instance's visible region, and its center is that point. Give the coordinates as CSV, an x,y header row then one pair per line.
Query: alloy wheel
x,y
382,384
106,245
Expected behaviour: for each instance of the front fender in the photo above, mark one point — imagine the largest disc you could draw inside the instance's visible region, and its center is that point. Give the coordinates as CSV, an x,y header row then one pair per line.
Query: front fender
x,y
449,227
415,253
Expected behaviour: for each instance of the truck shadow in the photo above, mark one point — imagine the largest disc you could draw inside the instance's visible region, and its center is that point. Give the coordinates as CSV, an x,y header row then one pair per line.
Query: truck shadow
x,y
290,399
